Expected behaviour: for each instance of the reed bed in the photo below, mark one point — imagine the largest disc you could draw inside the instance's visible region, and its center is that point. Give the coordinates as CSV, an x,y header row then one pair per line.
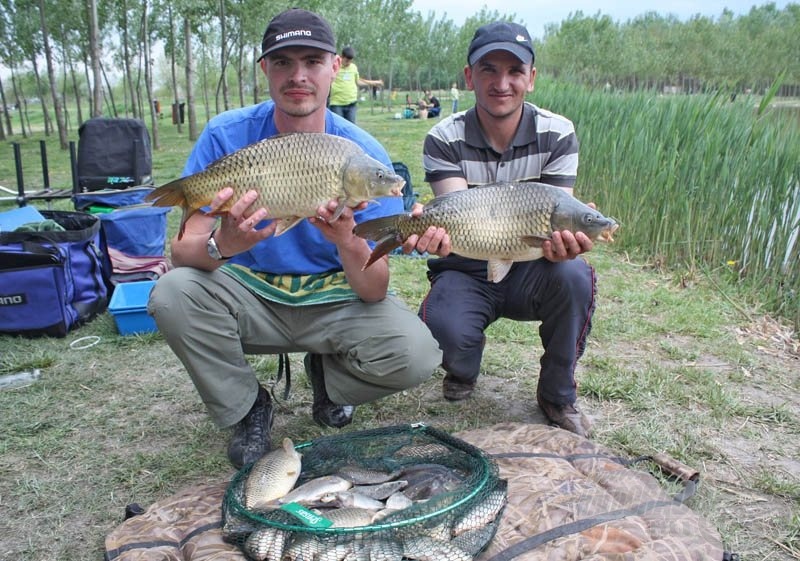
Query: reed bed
x,y
700,182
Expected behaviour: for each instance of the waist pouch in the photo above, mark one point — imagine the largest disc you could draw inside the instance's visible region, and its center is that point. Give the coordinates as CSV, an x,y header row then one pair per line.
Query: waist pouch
x,y
52,281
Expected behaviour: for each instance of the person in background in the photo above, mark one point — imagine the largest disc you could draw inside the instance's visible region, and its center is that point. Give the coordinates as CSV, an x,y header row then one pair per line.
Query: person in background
x,y
236,289
344,90
505,138
430,103
455,94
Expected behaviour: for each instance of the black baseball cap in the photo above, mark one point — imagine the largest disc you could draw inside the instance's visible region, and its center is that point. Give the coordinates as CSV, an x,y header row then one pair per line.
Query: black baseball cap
x,y
501,35
348,52
297,28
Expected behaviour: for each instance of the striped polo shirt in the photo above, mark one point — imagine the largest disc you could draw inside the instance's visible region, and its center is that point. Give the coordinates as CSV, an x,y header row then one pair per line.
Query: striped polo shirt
x,y
544,149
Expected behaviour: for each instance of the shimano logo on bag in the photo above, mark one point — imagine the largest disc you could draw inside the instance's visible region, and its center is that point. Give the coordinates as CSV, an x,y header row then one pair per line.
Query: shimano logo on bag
x,y
13,299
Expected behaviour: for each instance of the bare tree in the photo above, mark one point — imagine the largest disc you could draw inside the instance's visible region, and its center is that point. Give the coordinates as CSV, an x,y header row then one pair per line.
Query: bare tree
x,y
190,78
94,55
148,75
51,76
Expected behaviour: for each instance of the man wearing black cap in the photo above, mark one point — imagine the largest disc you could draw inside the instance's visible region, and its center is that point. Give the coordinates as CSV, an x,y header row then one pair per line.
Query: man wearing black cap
x,y
505,138
239,290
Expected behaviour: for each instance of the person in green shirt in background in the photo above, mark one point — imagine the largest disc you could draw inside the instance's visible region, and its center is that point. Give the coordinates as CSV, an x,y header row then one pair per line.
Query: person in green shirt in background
x,y
344,90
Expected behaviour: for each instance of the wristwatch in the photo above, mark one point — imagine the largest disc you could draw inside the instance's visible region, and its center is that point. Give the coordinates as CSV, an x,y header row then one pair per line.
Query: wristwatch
x,y
212,248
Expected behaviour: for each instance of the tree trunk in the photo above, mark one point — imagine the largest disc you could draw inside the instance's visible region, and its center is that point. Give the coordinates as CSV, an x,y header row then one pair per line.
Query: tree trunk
x,y
6,113
110,90
240,71
256,75
48,123
94,55
223,54
176,108
190,78
18,102
148,77
206,101
126,64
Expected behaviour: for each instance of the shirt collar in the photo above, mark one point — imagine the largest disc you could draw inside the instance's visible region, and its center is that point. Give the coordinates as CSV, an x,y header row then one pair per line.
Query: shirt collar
x,y
526,132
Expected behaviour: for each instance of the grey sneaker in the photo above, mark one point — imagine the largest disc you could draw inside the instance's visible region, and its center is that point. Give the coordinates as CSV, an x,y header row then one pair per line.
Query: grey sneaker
x,y
566,416
251,436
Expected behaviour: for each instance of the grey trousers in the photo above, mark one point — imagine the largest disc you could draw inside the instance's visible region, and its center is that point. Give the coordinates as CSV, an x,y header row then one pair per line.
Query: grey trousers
x,y
210,321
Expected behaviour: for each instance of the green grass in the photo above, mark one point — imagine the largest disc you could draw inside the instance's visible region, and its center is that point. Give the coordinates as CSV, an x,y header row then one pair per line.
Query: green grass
x,y
678,361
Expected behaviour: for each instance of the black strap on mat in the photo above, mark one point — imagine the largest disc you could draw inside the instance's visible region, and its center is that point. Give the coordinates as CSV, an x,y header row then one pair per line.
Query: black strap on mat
x,y
178,545
690,487
573,528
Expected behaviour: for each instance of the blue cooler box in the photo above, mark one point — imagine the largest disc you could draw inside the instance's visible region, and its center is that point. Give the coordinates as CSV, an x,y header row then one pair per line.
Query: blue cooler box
x,y
129,308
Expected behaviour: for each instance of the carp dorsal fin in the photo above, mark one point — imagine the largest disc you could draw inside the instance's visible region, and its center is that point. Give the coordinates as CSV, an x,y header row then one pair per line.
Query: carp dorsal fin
x,y
286,224
497,269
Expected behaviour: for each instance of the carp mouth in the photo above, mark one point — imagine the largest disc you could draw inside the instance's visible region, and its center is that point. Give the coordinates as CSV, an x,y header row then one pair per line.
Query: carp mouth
x,y
607,235
397,190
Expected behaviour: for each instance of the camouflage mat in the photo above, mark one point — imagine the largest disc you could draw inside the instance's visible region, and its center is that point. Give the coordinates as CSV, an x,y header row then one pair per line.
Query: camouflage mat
x,y
568,499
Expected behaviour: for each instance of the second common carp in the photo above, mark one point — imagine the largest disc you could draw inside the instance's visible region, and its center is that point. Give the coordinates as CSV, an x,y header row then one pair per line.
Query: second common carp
x,y
501,223
294,174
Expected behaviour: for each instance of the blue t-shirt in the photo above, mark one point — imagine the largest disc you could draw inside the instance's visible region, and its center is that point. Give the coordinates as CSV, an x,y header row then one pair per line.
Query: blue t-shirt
x,y
303,250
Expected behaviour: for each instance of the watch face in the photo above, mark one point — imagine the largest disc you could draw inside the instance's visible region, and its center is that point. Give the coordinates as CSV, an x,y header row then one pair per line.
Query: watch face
x,y
212,248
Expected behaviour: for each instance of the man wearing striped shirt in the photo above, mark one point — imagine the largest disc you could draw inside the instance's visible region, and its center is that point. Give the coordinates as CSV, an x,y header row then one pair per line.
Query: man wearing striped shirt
x,y
505,138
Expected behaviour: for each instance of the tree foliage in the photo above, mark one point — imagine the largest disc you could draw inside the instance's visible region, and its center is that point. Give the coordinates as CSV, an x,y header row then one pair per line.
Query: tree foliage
x,y
213,45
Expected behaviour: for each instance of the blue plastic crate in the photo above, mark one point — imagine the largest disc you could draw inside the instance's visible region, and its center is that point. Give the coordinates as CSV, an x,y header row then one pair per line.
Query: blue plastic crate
x,y
129,308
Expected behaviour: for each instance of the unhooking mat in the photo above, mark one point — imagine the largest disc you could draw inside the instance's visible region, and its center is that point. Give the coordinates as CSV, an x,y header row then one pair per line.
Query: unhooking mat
x,y
568,499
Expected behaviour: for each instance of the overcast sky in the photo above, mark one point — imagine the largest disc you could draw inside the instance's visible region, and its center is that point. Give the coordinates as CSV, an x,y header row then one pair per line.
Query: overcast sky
x,y
535,14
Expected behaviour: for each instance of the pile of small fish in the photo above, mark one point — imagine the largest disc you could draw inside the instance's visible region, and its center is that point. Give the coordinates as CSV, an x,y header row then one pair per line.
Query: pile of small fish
x,y
355,496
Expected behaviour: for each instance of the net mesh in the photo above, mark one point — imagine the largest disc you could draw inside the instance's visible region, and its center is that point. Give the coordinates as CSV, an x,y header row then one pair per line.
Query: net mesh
x,y
455,504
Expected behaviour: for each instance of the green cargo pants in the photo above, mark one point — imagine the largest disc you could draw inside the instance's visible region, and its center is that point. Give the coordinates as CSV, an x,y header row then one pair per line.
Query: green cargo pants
x,y
211,321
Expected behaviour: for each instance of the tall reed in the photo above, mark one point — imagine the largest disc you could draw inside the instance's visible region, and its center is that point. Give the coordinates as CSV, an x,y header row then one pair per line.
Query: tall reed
x,y
697,181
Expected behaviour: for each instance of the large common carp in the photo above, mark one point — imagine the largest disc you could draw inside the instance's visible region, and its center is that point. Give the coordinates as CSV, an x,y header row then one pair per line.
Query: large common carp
x,y
501,223
294,173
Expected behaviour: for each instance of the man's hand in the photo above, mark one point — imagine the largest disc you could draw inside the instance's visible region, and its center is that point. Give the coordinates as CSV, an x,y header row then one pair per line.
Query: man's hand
x,y
237,229
565,245
434,240
339,231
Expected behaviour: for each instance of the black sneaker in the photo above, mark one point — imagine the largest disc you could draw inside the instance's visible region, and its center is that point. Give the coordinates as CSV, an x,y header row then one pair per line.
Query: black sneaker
x,y
325,412
251,438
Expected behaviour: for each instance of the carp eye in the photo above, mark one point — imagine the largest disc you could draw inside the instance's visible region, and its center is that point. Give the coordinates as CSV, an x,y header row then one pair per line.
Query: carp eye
x,y
588,218
380,174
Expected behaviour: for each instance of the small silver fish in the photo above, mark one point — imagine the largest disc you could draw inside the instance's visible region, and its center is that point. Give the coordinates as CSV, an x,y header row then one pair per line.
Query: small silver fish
x,y
364,476
380,491
315,489
348,499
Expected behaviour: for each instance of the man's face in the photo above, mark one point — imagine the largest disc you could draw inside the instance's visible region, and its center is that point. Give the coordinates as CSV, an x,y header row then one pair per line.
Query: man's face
x,y
300,78
500,81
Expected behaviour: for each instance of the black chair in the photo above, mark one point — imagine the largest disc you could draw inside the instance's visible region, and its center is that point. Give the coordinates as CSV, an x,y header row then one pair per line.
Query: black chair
x,y
112,155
